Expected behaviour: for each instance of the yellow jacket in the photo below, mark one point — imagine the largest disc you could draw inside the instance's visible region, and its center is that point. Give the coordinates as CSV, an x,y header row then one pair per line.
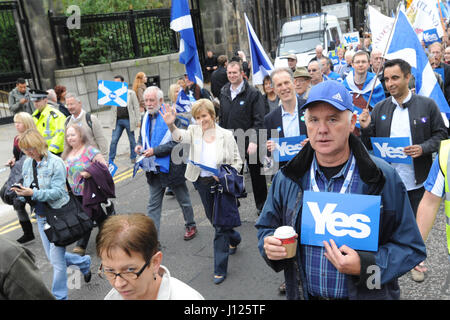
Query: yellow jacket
x,y
51,124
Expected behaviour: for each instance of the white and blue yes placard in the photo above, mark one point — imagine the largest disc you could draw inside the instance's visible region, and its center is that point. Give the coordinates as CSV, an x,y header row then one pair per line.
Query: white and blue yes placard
x,y
350,219
430,36
112,93
287,148
391,149
112,168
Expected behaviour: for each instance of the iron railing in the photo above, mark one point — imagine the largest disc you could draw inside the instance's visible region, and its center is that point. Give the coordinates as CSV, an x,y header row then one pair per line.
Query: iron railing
x,y
10,54
104,38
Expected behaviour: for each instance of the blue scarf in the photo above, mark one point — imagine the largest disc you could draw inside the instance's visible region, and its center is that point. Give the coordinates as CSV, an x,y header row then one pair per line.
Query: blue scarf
x,y
160,135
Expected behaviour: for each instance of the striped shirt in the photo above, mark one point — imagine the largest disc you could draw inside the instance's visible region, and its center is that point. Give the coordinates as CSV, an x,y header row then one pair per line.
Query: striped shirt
x,y
322,277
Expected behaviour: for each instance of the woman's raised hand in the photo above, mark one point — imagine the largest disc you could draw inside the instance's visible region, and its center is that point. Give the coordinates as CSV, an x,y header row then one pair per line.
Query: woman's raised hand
x,y
168,113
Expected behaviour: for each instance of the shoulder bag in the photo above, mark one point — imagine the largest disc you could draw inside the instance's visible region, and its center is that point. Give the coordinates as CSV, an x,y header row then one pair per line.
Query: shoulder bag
x,y
67,224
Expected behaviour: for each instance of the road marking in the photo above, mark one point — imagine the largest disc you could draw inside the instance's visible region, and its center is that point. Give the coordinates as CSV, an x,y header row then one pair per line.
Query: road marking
x,y
8,225
126,172
14,228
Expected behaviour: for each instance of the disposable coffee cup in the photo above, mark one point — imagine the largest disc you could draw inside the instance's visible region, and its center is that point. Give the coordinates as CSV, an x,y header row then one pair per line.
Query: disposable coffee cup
x,y
288,238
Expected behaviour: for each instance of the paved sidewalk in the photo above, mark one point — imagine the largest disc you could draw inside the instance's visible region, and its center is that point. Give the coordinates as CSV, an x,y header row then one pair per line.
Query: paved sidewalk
x,y
8,132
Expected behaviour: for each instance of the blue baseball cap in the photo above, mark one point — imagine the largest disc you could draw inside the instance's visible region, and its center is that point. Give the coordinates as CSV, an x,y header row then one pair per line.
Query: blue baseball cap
x,y
332,92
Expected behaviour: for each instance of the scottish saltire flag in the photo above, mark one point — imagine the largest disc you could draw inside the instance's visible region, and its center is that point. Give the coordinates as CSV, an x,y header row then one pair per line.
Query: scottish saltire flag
x,y
112,93
181,22
371,82
183,103
261,64
405,45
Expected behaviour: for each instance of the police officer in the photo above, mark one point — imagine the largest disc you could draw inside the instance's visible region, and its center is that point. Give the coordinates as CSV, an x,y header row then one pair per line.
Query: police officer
x,y
49,121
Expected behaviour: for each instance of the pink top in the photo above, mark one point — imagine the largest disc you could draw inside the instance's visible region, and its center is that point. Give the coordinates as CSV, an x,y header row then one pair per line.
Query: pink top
x,y
76,165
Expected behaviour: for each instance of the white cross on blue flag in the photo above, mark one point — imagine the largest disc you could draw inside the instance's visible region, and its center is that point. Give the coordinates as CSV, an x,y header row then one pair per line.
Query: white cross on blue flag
x,y
112,93
183,103
261,64
181,22
405,45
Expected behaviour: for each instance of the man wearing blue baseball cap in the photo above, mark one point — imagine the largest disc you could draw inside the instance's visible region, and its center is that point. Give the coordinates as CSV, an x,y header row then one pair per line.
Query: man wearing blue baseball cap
x,y
335,161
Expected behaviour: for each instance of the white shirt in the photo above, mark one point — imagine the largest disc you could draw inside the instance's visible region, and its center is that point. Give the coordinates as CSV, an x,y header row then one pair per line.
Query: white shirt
x,y
170,289
208,157
401,128
79,116
291,126
235,92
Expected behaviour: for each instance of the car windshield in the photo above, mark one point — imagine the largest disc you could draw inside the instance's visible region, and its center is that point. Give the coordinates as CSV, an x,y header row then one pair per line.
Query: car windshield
x,y
299,43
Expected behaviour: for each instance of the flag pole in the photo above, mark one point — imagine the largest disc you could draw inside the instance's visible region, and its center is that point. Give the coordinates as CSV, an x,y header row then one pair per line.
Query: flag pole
x,y
384,54
442,21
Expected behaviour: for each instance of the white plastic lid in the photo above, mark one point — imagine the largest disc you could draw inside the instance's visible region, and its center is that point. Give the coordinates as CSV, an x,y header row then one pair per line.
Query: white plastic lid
x,y
284,232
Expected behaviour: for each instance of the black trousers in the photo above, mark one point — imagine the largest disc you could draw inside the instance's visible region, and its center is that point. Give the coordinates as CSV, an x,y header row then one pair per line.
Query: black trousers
x,y
259,184
414,198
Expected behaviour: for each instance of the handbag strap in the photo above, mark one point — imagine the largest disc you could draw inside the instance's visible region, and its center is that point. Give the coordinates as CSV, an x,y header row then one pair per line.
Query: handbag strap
x,y
35,182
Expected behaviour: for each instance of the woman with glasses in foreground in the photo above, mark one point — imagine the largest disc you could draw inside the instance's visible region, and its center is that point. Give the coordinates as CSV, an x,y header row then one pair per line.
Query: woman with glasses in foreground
x,y
131,261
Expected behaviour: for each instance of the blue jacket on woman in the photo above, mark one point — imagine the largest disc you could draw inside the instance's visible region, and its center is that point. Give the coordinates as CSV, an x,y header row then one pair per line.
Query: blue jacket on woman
x,y
51,174
400,245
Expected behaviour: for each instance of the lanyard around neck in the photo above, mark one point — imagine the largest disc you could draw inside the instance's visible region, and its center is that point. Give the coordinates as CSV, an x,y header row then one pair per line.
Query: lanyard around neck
x,y
347,180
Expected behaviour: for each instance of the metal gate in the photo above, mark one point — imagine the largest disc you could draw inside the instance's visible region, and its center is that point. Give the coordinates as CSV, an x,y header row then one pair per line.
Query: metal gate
x,y
17,59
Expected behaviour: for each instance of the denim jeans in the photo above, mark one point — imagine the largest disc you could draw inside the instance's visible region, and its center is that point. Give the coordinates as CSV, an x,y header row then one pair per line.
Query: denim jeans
x,y
156,198
122,124
60,260
223,237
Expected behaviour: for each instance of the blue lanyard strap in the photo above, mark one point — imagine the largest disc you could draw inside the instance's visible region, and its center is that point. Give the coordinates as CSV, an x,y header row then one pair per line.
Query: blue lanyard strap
x,y
347,180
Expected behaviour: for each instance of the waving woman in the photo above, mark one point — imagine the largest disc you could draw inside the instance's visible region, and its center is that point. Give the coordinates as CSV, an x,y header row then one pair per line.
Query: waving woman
x,y
210,147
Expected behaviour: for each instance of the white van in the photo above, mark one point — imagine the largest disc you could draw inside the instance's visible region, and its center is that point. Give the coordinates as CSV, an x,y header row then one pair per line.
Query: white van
x,y
302,34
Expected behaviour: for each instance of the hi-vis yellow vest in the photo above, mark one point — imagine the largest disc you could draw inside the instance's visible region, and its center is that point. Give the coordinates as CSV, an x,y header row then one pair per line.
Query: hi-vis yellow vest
x,y
444,159
51,124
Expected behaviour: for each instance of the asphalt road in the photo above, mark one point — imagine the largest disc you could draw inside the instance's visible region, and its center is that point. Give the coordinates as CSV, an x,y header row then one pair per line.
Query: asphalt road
x,y
249,278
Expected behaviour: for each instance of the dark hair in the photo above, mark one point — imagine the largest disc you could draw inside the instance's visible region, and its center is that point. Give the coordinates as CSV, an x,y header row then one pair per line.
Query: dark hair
x,y
59,90
20,81
404,66
122,79
221,60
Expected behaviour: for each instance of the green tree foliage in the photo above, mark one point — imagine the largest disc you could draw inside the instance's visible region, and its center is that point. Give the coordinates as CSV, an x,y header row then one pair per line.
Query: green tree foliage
x,y
9,50
110,6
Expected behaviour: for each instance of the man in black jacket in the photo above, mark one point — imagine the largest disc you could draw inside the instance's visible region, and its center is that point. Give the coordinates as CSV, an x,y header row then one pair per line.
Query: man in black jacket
x,y
288,118
242,107
407,115
219,77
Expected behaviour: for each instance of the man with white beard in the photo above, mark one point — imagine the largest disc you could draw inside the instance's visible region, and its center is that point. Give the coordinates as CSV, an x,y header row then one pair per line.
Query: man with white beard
x,y
155,144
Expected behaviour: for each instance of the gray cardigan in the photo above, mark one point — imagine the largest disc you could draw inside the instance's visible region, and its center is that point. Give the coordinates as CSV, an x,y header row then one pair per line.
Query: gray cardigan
x,y
425,121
